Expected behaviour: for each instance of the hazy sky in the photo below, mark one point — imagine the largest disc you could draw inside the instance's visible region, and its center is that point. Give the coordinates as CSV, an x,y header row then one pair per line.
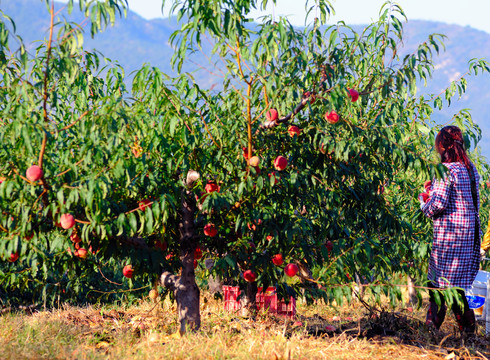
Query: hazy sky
x,y
475,13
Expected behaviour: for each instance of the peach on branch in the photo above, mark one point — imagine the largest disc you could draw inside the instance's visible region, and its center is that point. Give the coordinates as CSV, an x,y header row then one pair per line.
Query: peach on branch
x,y
353,94
291,270
153,294
210,230
277,259
280,163
329,246
211,186
332,117
144,203
294,130
14,256
198,253
272,115
67,221
254,161
81,253
128,271
249,276
34,173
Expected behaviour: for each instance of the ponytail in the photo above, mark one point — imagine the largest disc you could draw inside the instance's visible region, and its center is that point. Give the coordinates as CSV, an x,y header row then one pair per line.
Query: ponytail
x,y
450,146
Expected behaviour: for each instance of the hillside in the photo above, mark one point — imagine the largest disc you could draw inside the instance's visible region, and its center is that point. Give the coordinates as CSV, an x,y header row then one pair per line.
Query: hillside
x,y
134,41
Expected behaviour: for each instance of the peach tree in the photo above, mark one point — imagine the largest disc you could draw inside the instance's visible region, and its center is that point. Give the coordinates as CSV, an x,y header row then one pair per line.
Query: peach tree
x,y
300,169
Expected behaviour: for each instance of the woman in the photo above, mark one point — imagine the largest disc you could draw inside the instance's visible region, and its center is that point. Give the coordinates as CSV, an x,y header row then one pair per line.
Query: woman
x,y
453,205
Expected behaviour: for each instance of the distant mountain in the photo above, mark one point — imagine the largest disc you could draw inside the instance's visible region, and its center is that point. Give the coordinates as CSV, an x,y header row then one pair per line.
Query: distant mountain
x,y
134,41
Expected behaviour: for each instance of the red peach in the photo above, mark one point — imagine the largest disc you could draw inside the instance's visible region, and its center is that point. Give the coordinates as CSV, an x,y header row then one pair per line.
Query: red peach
x,y
144,203
153,294
254,161
210,230
272,115
332,117
198,253
277,259
294,130
211,186
245,152
34,173
81,253
128,271
67,221
280,163
291,270
13,257
354,95
249,276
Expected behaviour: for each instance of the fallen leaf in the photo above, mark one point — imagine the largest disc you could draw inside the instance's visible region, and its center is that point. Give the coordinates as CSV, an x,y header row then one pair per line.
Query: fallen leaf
x,y
102,345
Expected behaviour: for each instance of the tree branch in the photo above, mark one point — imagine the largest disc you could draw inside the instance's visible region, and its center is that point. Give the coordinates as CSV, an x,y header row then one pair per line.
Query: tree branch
x,y
169,280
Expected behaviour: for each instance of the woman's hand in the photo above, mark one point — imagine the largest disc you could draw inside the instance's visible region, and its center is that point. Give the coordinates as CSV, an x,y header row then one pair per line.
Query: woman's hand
x,y
423,197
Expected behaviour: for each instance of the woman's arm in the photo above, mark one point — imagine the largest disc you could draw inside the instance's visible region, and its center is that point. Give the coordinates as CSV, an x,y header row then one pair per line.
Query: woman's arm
x,y
439,197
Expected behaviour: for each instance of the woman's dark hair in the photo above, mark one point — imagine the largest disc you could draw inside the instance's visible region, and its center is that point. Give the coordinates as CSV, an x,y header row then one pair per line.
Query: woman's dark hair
x,y
450,146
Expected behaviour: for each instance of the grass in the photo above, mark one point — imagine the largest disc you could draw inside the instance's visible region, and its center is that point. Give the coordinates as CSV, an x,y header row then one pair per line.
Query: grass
x,y
147,331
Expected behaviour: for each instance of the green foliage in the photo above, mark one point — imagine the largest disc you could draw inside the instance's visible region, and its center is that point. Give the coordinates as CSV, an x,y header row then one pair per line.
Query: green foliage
x,y
104,148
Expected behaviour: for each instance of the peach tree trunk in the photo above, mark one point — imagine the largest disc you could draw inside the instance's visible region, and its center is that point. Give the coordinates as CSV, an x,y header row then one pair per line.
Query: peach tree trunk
x,y
184,286
248,300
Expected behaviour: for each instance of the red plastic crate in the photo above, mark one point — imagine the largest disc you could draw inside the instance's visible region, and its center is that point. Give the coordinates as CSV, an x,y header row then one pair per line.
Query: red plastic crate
x,y
231,294
268,300
265,300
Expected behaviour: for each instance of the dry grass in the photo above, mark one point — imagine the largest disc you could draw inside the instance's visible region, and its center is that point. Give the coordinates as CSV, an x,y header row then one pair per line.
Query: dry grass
x,y
145,332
